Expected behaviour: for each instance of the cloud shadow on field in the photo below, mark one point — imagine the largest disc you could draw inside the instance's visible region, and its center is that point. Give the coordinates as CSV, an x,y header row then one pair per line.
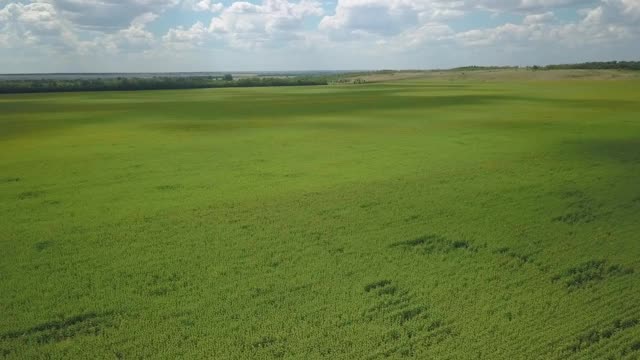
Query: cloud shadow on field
x,y
580,104
281,111
624,151
292,111
264,110
21,119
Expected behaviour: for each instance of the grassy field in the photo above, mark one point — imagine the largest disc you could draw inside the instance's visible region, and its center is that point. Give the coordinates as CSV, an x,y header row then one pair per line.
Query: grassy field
x,y
443,218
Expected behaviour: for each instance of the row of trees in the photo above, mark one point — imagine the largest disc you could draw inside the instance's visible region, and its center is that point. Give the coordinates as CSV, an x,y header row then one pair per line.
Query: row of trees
x,y
601,65
155,83
472,68
605,65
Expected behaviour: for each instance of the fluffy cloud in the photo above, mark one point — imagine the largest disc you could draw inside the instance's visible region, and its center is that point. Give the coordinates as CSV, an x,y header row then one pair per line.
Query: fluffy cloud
x,y
387,17
411,23
606,23
34,24
268,17
108,15
205,5
248,25
613,11
136,36
527,5
245,25
539,18
380,17
365,31
184,39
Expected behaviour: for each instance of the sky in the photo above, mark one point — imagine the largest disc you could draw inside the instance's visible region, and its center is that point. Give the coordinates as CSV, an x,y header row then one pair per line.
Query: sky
x,y
275,35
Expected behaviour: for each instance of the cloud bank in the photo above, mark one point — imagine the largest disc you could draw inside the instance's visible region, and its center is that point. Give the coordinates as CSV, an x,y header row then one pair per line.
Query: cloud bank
x,y
190,35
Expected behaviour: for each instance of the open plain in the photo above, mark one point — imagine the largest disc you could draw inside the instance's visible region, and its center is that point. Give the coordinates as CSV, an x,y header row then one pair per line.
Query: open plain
x,y
462,216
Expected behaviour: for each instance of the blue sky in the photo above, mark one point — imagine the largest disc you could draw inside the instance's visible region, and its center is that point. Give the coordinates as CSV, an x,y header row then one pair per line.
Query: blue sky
x,y
227,35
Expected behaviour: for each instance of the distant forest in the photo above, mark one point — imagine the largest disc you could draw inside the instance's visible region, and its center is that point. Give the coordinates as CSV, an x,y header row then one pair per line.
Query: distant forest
x,y
601,65
155,83
607,65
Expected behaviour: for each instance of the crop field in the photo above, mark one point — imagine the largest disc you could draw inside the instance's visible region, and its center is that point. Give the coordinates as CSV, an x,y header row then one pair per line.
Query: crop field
x,y
428,218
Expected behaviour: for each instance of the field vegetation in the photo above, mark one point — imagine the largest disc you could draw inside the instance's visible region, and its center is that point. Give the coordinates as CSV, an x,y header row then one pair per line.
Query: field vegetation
x,y
449,216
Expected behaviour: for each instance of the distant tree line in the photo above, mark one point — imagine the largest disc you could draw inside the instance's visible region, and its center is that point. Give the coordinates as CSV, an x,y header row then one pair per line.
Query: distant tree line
x,y
472,68
341,81
603,65
155,83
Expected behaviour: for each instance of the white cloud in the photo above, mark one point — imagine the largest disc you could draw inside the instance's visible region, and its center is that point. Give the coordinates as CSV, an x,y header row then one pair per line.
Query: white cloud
x,y
135,37
539,18
386,32
505,34
34,24
109,15
144,19
207,5
606,23
379,17
527,5
631,7
426,34
183,39
387,17
247,25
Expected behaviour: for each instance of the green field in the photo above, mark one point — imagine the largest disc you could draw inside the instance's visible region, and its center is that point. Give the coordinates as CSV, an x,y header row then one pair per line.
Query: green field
x,y
433,218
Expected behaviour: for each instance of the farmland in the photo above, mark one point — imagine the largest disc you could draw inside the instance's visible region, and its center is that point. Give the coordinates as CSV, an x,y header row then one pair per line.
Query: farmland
x,y
486,215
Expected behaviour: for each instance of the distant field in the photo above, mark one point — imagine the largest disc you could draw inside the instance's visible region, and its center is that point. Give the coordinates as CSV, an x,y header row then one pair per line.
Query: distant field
x,y
440,217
